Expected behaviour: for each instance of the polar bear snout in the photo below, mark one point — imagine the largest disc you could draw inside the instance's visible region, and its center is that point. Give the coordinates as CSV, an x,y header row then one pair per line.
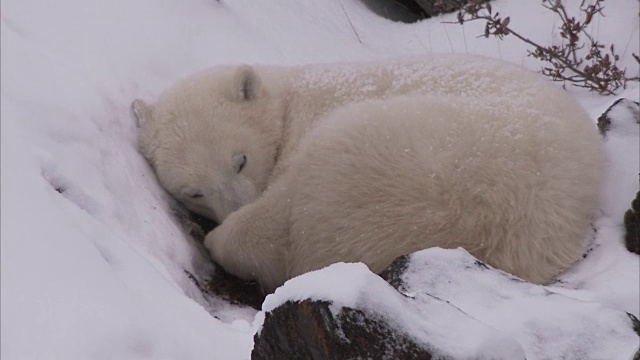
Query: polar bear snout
x,y
216,203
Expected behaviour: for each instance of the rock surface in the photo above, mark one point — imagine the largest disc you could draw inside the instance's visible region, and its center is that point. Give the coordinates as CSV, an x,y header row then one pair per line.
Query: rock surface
x,y
310,330
632,226
219,283
437,7
413,10
620,112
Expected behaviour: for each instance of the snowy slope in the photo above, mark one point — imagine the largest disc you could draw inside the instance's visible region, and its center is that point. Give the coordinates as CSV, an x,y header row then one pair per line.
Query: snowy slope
x,y
92,257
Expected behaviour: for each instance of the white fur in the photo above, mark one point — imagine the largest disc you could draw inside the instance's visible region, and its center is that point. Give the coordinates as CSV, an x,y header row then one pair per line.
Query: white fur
x,y
369,161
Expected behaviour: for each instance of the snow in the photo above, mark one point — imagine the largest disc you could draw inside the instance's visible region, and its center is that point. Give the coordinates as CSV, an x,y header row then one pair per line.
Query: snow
x,y
92,256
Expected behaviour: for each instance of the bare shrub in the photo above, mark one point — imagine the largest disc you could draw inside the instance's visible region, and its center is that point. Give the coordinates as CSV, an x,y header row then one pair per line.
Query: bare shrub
x,y
583,63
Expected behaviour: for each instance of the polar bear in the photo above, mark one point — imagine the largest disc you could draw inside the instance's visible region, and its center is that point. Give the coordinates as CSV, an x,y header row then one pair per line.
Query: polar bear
x,y
364,162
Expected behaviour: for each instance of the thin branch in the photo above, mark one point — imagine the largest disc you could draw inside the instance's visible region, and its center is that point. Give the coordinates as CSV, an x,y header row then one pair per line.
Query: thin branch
x,y
601,73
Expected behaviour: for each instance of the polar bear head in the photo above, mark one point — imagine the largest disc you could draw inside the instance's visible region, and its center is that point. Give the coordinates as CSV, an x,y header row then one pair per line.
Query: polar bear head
x,y
212,139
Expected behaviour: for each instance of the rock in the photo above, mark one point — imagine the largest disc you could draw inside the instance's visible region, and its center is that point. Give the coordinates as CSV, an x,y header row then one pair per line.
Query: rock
x,y
310,330
406,11
437,7
393,273
409,11
620,115
234,290
632,226
218,284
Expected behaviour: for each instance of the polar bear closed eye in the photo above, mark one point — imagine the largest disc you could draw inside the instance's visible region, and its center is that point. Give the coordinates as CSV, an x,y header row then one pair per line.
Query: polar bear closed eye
x,y
311,165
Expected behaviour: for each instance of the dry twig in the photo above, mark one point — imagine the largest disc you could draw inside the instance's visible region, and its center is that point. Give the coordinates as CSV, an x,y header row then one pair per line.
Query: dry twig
x,y
596,71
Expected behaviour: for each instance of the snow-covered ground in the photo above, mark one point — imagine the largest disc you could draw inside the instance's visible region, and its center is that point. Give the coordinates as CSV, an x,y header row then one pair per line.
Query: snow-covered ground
x,y
92,258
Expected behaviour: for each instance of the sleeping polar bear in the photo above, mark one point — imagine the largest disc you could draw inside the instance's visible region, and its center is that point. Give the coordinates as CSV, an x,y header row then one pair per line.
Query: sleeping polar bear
x,y
364,162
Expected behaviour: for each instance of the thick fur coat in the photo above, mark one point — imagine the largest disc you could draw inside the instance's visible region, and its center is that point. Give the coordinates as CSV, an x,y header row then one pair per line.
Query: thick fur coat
x,y
318,164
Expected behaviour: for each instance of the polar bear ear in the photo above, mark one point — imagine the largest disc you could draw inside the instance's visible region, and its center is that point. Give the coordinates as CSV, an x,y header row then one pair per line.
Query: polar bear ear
x,y
142,111
247,83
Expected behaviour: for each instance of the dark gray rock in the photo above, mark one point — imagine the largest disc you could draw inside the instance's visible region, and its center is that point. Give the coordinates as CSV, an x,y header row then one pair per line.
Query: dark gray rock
x,y
409,11
406,11
310,330
632,226
622,110
437,7
216,284
393,273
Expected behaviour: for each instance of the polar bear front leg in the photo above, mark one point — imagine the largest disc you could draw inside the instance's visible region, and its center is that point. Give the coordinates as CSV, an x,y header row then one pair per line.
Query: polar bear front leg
x,y
251,242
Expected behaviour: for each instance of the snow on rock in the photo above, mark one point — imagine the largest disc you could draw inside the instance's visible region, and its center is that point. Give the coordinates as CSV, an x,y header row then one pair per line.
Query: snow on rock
x,y
547,324
621,119
610,274
433,323
454,305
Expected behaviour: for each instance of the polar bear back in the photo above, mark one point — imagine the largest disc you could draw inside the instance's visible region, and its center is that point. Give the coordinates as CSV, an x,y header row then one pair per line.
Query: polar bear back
x,y
318,89
512,184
